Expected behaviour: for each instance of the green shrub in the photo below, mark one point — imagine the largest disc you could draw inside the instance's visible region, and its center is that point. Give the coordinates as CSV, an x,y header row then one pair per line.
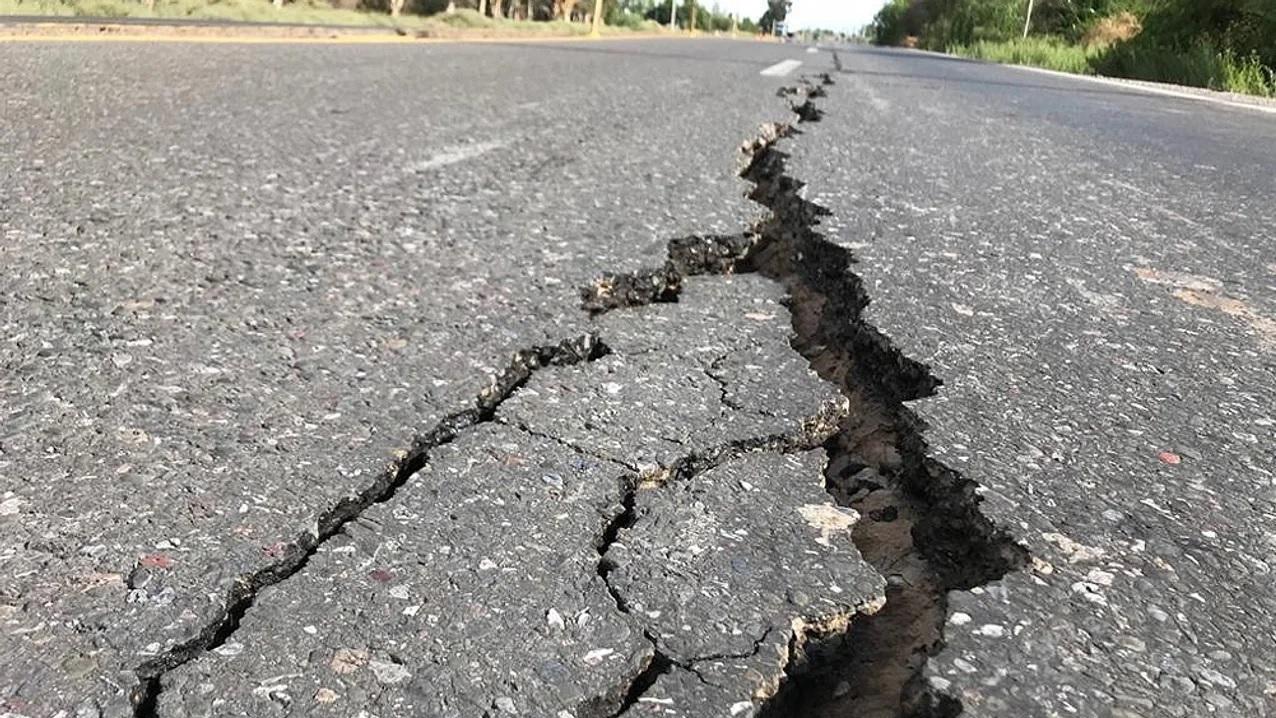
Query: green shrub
x,y
102,8
1220,44
972,21
618,17
1248,75
464,17
1243,27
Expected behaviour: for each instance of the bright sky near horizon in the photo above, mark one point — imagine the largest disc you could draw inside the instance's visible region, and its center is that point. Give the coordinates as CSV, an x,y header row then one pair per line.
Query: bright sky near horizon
x,y
842,15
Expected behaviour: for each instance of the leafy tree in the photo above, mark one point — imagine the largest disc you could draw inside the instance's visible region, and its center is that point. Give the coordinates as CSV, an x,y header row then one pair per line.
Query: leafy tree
x,y
660,13
706,19
1243,27
1071,18
897,20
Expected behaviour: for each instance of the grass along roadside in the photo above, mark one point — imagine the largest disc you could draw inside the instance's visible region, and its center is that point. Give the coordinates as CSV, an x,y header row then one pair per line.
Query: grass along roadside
x,y
1049,53
1203,66
464,22
1227,45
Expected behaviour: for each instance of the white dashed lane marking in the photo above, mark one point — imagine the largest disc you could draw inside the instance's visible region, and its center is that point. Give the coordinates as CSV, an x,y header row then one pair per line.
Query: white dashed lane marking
x,y
780,69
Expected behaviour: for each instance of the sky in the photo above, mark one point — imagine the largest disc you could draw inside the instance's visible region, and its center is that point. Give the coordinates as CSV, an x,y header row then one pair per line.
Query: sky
x,y
843,15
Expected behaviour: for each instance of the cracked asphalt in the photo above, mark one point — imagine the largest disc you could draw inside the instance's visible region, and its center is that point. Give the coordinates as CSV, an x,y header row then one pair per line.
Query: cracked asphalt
x,y
303,412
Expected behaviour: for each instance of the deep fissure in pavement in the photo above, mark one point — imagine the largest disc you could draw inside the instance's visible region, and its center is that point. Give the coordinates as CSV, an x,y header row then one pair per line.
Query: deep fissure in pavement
x,y
660,665
920,525
522,365
943,542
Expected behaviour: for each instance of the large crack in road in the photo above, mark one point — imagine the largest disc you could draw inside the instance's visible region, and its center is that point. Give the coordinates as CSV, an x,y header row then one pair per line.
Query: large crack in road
x,y
935,539
920,525
924,531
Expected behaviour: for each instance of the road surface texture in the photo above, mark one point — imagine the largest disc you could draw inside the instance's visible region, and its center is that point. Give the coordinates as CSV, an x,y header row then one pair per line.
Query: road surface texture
x,y
542,380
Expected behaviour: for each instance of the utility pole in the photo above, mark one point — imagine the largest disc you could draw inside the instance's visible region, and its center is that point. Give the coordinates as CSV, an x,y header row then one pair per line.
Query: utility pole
x,y
597,20
691,16
1028,21
673,14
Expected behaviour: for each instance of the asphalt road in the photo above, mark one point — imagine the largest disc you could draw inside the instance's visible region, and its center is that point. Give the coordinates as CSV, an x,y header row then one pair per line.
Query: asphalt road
x,y
303,414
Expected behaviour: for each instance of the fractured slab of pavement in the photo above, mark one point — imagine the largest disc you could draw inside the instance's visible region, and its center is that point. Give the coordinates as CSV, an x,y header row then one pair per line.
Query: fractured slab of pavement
x,y
478,587
688,380
474,590
227,308
728,570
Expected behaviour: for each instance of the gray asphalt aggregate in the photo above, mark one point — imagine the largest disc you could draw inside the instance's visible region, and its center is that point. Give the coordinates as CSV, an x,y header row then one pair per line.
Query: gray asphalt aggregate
x,y
243,286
